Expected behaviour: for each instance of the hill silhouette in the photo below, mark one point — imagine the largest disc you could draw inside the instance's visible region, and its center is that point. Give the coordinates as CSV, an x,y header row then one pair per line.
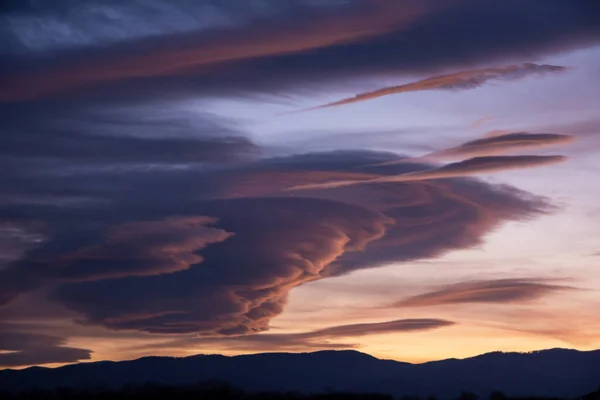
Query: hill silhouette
x,y
550,373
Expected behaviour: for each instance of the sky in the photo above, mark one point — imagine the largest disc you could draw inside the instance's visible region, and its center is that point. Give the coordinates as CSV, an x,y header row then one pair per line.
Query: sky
x,y
414,179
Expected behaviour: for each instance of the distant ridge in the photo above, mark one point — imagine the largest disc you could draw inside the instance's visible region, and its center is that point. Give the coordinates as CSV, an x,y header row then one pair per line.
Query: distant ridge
x,y
555,372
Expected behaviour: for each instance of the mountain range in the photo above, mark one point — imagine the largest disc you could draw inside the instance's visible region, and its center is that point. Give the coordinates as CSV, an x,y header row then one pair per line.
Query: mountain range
x,y
546,373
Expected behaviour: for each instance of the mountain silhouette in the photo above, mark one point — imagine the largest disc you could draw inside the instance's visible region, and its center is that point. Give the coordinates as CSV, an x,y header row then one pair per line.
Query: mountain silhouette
x,y
547,373
592,396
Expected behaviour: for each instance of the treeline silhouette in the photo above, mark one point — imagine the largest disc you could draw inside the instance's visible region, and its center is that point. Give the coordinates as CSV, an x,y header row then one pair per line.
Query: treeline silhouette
x,y
223,391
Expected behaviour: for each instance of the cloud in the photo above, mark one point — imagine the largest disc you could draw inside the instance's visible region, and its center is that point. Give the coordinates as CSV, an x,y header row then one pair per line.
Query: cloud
x,y
326,338
493,291
472,166
24,348
502,144
242,285
139,226
126,149
478,165
14,241
137,216
464,80
403,325
207,50
130,249
32,26
149,132
300,46
492,145
146,247
133,200
282,241
152,219
481,121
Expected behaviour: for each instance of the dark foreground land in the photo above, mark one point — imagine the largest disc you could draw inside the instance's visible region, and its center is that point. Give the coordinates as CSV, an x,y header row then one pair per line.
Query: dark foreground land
x,y
217,391
556,373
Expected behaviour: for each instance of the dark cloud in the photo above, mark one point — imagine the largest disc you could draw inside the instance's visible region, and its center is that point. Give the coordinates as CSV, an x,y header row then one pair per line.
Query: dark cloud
x,y
150,132
317,45
205,52
14,241
472,166
495,291
281,241
30,25
24,348
463,80
123,149
130,249
80,182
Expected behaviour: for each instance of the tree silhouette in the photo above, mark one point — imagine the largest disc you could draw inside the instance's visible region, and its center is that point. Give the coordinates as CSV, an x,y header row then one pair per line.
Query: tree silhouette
x,y
222,391
467,396
497,395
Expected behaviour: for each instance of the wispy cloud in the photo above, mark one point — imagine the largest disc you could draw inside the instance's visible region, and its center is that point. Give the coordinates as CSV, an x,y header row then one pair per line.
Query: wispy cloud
x,y
464,80
472,166
326,338
492,291
403,325
481,121
491,145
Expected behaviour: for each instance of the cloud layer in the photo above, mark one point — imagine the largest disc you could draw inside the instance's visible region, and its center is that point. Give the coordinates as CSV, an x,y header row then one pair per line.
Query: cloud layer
x,y
23,348
262,243
472,166
496,145
297,44
133,208
463,80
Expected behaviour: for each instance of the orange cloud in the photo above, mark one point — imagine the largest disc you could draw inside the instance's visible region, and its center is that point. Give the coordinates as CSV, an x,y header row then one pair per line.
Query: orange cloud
x,y
463,80
144,248
472,166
